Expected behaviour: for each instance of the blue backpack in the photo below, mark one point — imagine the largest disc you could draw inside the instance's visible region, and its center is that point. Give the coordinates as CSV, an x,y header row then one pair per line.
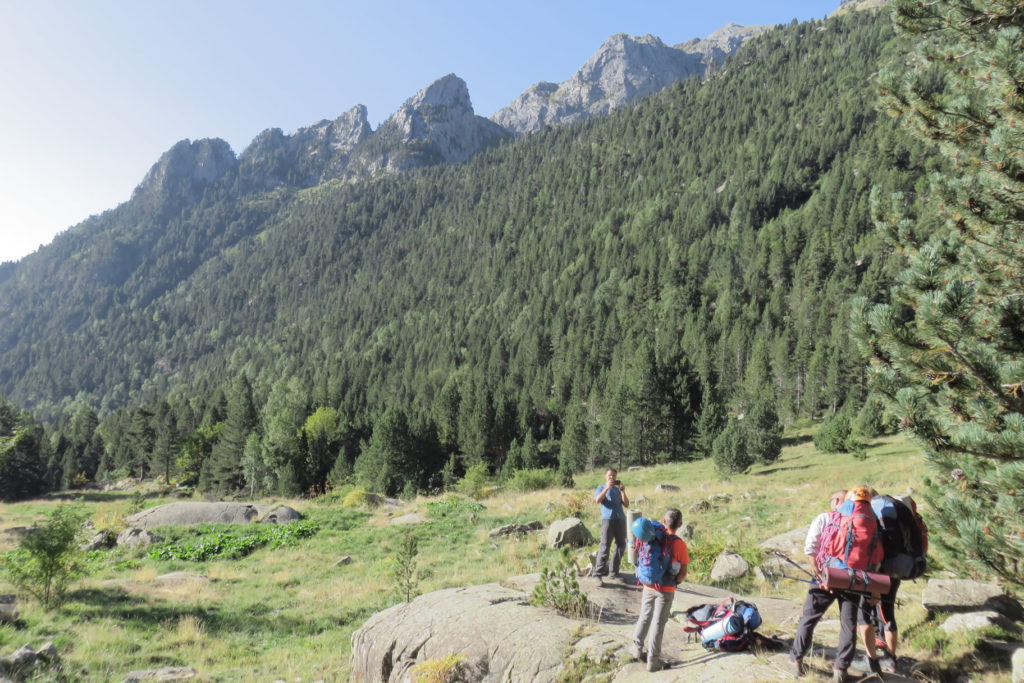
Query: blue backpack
x,y
653,557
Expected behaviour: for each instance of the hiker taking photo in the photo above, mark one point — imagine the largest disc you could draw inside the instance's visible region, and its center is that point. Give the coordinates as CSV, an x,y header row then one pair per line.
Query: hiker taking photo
x,y
611,496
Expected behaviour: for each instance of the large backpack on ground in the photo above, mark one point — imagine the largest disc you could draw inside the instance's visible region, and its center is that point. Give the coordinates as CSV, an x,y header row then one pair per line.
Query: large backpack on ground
x,y
856,544
728,626
902,538
653,554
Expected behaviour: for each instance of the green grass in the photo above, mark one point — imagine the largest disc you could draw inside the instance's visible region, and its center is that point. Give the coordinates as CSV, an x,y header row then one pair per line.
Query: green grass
x,y
289,612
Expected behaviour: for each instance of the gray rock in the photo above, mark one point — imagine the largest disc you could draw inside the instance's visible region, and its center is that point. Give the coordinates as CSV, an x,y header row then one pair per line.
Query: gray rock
x,y
435,125
8,609
699,506
729,565
137,538
23,659
167,673
791,543
101,541
969,621
507,639
666,488
569,532
343,561
965,595
191,513
623,69
1018,665
685,532
515,529
411,518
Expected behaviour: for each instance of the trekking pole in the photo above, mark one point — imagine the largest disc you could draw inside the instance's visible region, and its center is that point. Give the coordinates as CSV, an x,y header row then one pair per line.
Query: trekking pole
x,y
787,559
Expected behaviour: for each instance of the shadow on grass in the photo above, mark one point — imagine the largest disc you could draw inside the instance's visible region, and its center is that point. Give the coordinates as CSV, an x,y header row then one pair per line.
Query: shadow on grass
x,y
799,440
773,470
136,612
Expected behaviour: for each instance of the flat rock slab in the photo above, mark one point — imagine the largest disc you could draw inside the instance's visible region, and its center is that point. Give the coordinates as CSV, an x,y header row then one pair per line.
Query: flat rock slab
x,y
192,513
507,639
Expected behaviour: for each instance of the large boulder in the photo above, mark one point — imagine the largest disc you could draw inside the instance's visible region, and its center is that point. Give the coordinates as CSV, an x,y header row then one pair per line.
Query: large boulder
x,y
1018,665
505,638
729,565
975,621
137,538
569,532
502,636
791,543
191,513
964,595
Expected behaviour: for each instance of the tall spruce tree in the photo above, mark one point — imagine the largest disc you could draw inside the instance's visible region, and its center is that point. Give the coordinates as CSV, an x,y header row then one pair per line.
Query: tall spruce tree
x,y
948,352
225,471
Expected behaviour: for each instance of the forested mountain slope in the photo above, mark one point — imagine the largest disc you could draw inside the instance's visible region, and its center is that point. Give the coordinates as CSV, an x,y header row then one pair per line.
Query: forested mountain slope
x,y
593,283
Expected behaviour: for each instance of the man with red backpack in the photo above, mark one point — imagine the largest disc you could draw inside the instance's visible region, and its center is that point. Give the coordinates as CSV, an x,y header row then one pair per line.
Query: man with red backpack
x,y
661,562
818,600
849,539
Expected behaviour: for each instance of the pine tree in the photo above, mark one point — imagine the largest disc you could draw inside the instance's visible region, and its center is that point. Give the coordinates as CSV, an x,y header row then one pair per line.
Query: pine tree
x,y
224,470
948,352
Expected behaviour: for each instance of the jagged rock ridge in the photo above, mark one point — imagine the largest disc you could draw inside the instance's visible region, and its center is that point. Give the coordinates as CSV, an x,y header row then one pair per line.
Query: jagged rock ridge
x,y
437,125
624,68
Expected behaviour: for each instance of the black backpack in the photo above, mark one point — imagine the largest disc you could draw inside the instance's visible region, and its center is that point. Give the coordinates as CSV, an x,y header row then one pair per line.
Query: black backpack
x,y
900,534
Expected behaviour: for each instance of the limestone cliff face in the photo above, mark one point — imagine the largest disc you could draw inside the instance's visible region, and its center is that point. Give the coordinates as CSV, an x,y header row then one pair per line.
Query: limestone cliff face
x,y
186,169
436,125
623,69
310,156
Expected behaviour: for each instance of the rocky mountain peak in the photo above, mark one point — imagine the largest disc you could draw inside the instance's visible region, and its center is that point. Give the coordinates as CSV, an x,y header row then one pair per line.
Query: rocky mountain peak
x,y
435,124
188,165
623,68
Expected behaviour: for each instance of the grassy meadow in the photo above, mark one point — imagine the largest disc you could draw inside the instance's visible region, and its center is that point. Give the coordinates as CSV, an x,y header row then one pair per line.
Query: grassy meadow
x,y
288,612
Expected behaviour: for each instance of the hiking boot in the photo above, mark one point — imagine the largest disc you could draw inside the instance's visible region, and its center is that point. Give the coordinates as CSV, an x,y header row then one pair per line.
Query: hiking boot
x,y
876,668
840,676
654,664
881,644
795,666
888,663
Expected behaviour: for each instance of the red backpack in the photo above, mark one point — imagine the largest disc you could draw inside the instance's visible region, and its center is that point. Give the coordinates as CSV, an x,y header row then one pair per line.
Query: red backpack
x,y
856,544
828,532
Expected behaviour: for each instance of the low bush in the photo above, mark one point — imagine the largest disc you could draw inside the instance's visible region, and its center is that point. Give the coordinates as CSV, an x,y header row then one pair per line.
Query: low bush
x,y
533,480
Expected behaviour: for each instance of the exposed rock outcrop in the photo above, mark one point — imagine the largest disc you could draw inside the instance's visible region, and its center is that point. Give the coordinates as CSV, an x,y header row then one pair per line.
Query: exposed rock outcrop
x,y
190,513
623,69
505,638
436,125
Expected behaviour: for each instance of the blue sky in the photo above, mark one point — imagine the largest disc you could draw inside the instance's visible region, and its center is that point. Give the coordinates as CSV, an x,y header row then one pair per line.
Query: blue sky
x,y
92,93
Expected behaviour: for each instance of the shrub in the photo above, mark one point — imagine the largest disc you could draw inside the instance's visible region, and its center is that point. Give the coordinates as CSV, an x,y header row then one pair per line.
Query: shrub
x,y
533,480
358,498
49,557
476,482
729,450
559,589
835,435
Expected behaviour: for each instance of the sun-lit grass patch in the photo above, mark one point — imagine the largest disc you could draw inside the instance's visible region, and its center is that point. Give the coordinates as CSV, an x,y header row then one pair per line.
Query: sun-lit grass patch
x,y
289,612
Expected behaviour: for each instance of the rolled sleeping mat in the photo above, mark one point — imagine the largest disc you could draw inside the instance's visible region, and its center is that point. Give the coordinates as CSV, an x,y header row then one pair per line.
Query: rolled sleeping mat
x,y
856,580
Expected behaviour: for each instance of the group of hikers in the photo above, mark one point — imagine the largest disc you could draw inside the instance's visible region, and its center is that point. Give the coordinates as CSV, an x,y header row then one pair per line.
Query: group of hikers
x,y
859,551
